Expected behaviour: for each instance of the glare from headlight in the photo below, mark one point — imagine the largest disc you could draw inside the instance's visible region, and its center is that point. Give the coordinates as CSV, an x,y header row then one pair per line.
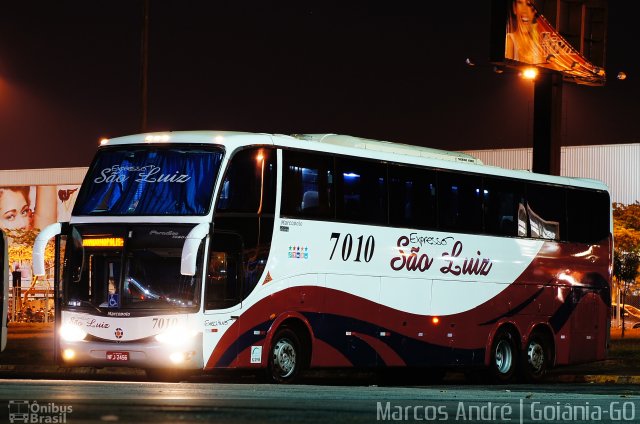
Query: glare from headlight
x,y
177,336
72,333
68,354
177,357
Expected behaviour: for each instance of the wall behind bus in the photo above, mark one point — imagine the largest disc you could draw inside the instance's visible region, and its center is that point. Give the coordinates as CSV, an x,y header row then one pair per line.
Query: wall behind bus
x,y
613,164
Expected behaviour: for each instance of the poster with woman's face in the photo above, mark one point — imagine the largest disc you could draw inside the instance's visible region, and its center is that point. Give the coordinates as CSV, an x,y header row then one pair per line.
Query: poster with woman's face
x,y
35,207
528,38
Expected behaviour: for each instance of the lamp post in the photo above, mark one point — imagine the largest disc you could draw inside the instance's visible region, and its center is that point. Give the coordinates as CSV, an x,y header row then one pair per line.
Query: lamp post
x,y
144,68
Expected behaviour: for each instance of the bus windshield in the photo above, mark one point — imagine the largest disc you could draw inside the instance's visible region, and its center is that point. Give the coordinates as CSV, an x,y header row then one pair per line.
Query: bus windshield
x,y
128,267
144,180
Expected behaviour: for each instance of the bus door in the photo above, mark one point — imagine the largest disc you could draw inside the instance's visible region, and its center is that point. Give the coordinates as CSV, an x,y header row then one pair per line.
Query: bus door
x,y
223,298
4,272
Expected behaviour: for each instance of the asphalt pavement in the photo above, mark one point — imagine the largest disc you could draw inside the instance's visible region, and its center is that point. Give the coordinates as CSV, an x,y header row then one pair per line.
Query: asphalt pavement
x,y
29,354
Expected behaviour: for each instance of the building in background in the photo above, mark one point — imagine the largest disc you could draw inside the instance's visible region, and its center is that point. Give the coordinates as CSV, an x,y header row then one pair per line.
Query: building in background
x,y
614,164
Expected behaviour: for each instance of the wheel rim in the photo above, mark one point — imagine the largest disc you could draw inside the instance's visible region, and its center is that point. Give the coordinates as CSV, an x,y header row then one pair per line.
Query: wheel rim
x,y
535,356
284,358
504,357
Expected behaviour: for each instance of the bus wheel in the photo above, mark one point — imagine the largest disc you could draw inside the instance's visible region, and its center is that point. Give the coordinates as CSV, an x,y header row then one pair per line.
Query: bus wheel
x,y
285,357
536,358
503,357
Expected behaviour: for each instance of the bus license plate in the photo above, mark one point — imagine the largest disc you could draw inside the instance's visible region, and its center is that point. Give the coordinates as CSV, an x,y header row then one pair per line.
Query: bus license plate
x,y
118,356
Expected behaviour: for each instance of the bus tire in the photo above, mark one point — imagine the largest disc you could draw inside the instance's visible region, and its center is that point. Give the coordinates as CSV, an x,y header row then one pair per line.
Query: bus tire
x,y
286,358
536,358
504,354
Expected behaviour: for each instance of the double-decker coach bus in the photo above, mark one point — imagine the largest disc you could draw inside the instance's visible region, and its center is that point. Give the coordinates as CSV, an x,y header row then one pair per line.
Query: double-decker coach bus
x,y
203,250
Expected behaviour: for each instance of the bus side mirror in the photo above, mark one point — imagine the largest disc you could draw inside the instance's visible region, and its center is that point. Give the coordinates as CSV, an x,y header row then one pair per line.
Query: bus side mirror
x,y
190,248
40,245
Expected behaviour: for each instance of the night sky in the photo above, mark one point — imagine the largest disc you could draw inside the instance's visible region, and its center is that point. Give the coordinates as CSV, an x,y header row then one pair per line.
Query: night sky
x,y
70,75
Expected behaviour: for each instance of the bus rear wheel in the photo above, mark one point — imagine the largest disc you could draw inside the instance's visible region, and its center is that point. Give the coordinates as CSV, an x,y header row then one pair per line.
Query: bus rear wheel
x,y
285,357
503,357
536,357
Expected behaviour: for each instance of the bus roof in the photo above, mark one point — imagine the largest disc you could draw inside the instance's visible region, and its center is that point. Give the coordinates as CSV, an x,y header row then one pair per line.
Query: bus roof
x,y
343,143
388,147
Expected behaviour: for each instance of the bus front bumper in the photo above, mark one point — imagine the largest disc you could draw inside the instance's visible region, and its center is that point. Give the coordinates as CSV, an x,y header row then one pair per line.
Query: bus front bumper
x,y
147,355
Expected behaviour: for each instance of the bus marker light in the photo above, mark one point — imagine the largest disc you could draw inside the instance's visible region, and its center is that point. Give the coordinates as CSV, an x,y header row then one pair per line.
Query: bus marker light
x,y
384,334
420,334
272,316
450,335
259,333
68,354
348,333
435,320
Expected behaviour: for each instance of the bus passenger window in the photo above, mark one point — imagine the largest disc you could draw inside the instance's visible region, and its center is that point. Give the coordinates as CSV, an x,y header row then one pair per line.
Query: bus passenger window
x,y
412,197
588,215
460,202
307,185
546,208
503,207
361,191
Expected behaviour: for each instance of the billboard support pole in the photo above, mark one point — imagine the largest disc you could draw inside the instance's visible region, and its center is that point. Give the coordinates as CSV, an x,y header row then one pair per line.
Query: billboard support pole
x,y
547,120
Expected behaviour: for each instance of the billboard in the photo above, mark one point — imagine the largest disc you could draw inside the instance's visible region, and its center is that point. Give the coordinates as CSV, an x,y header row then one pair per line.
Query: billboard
x,y
522,35
33,208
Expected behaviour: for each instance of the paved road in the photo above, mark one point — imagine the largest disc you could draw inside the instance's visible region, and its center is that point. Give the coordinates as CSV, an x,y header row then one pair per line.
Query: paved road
x,y
141,402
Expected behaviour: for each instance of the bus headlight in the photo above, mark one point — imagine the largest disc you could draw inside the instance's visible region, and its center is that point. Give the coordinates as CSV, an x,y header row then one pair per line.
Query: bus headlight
x,y
72,333
176,336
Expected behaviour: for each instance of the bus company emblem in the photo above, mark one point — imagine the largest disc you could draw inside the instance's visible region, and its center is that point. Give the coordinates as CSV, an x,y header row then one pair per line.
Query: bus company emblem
x,y
147,174
298,252
413,259
119,333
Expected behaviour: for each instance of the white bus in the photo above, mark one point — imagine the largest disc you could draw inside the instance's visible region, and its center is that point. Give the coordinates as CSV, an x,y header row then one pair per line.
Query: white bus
x,y
201,250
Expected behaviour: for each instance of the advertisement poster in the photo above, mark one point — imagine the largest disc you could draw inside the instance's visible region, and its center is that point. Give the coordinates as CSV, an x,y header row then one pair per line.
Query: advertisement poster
x,y
530,39
33,208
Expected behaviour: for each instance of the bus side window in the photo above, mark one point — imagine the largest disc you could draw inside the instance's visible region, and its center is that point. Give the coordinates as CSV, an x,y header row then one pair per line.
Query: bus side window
x,y
307,185
249,183
361,191
546,208
459,202
504,212
412,197
588,215
224,279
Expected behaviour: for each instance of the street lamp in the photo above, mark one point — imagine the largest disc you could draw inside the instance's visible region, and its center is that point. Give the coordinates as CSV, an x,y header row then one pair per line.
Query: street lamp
x,y
529,73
